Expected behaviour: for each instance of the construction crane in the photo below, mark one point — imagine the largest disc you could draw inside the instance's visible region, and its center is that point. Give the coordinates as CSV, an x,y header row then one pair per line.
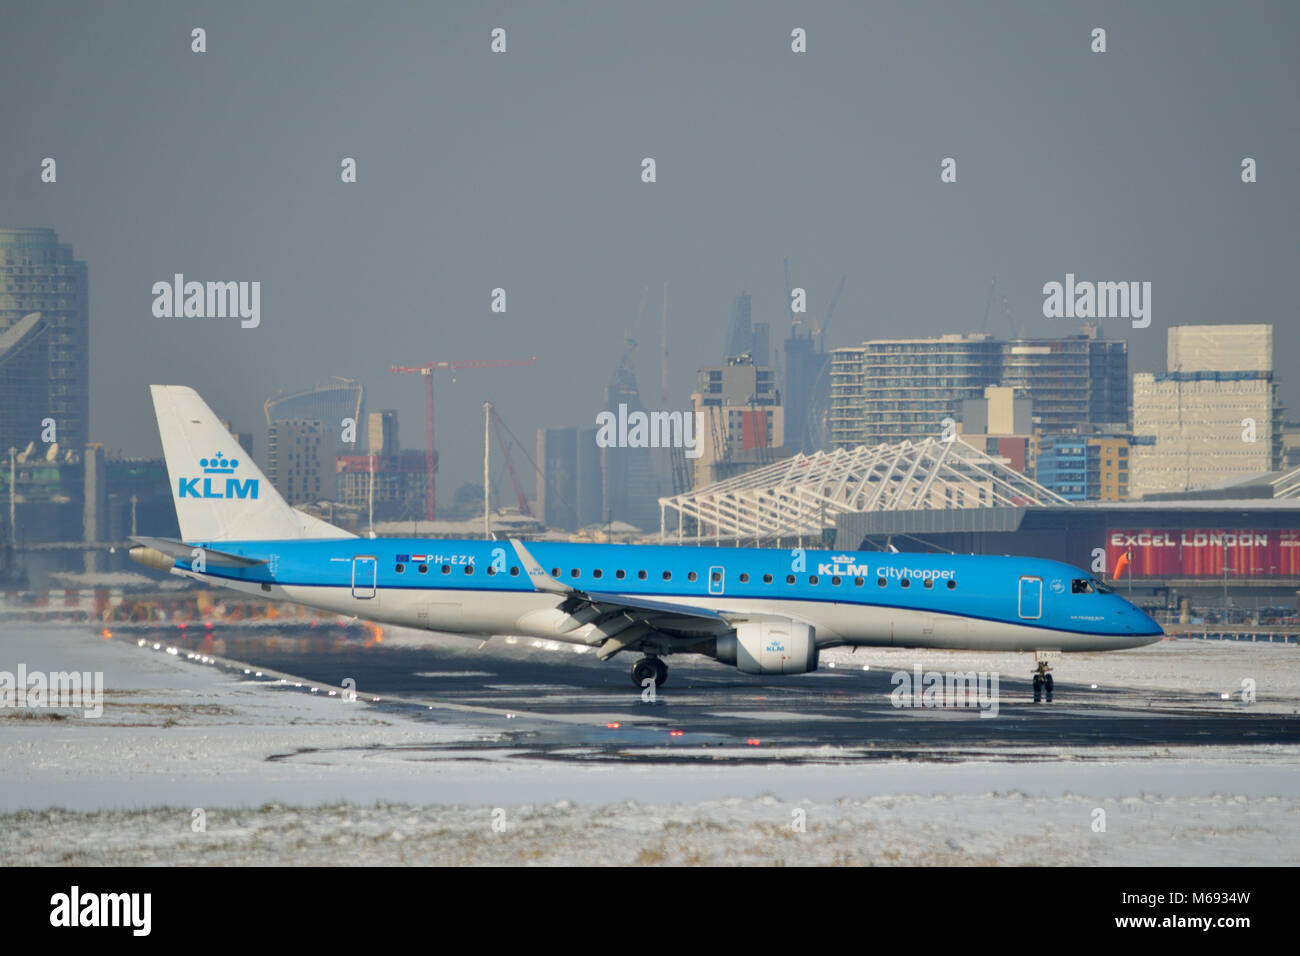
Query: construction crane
x,y
505,453
820,330
789,294
427,370
1006,310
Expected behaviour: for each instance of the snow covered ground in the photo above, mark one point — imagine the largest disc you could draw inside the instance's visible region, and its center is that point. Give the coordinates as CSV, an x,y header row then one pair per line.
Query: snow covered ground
x,y
284,776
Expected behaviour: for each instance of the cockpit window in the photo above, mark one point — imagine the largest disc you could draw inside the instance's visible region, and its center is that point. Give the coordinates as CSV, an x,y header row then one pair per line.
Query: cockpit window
x,y
1089,586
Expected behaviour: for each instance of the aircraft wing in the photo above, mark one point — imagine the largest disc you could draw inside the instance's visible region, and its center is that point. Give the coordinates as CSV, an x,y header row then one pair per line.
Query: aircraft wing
x,y
625,621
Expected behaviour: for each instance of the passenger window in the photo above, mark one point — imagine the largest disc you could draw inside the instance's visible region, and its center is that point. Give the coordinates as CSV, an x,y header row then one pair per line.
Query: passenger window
x,y
400,568
597,573
619,574
575,573
951,584
446,569
905,583
858,581
423,569
744,578
691,576
469,569
789,579
835,580
668,575
555,572
717,576
491,570
641,575
929,583
880,582
767,579
812,579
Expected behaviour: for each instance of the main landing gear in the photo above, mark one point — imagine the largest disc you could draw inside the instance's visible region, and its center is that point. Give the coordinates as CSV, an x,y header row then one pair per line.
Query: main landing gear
x,y
1042,682
649,668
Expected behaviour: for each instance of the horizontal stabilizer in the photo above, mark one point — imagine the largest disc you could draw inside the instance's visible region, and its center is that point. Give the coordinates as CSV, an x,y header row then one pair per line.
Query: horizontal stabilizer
x,y
185,552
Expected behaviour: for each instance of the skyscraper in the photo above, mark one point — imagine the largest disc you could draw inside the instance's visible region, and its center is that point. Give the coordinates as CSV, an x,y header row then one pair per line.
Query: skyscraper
x,y
38,274
631,489
744,335
300,455
897,389
902,389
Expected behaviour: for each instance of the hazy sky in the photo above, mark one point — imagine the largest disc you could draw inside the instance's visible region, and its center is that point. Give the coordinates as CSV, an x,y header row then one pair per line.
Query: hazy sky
x,y
522,170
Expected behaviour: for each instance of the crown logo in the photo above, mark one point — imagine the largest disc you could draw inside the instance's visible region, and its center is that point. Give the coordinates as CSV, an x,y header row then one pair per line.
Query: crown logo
x,y
218,464
842,559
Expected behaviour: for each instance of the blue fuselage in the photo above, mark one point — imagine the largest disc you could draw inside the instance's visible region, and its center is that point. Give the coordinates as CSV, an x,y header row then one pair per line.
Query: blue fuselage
x,y
974,601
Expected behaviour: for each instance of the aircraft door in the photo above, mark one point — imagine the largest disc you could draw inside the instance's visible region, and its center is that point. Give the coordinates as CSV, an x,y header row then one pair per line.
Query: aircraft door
x,y
1031,597
717,579
364,570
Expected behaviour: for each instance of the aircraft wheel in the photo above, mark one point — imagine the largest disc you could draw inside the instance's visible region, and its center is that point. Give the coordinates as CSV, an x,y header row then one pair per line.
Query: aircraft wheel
x,y
661,672
647,668
1038,688
1047,686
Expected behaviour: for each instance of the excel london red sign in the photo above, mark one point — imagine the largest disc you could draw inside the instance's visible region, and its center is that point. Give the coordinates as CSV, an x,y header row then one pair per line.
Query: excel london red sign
x,y
1204,552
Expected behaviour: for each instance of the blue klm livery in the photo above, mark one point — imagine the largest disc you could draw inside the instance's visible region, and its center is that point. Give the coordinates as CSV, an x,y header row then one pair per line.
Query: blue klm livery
x,y
764,611
218,464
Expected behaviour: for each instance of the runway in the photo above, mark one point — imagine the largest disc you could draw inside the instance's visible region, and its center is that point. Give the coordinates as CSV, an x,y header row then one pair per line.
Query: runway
x,y
542,699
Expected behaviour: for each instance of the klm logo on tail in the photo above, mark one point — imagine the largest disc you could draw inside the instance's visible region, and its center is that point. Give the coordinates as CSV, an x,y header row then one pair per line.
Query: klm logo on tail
x,y
209,487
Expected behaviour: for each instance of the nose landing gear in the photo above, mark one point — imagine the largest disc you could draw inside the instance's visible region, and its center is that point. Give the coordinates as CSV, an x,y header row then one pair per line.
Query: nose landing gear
x,y
1042,683
649,668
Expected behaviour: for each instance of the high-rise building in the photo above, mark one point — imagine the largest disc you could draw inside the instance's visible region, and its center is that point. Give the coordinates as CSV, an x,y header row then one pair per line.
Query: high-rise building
x,y
903,389
629,487
381,431
1074,382
329,403
894,390
570,493
300,458
744,335
44,363
806,394
744,421
385,477
1214,414
24,372
393,483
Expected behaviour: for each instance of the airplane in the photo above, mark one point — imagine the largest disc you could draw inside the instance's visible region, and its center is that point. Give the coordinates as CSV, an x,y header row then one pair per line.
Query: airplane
x,y
761,610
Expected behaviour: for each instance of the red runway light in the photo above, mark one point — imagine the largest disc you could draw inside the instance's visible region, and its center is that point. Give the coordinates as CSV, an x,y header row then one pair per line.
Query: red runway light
x,y
753,741
613,725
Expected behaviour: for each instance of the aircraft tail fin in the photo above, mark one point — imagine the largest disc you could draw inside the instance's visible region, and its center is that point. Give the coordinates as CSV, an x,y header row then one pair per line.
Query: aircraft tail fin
x,y
219,493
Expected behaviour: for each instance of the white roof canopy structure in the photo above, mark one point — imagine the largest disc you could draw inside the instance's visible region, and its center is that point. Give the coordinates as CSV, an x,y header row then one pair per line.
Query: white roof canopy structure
x,y
802,495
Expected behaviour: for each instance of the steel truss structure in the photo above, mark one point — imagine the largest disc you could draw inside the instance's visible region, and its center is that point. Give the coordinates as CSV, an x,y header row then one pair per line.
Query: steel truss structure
x,y
802,495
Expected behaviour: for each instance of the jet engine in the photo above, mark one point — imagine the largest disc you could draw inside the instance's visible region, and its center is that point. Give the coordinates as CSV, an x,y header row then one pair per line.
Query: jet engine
x,y
769,647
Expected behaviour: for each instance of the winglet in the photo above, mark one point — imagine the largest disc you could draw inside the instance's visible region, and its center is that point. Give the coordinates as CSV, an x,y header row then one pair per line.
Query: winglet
x,y
536,573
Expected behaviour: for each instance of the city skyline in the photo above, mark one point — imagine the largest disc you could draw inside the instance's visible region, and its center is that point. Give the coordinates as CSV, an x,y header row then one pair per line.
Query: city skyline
x,y
526,177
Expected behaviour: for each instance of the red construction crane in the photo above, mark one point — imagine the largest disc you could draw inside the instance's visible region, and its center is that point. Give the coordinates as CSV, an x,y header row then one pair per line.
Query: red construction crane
x,y
514,478
427,371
